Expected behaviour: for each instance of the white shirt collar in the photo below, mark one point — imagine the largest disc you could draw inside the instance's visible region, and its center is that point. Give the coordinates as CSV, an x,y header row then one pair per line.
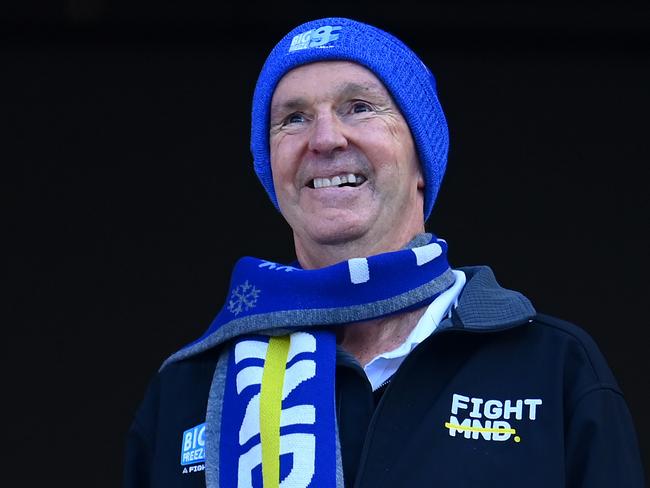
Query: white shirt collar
x,y
384,365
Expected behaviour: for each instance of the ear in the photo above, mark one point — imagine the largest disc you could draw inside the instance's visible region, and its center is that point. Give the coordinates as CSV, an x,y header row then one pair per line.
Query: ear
x,y
421,184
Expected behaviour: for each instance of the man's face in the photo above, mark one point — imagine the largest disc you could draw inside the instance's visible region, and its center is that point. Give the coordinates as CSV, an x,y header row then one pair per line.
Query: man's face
x,y
344,163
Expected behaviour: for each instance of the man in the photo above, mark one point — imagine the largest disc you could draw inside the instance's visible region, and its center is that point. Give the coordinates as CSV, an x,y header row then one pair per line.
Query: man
x,y
369,361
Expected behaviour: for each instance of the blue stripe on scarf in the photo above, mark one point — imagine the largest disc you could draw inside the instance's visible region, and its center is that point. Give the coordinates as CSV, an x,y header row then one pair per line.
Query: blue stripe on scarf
x,y
240,456
259,287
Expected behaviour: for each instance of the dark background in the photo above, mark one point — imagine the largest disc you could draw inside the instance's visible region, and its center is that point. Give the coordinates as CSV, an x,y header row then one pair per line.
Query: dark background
x,y
130,190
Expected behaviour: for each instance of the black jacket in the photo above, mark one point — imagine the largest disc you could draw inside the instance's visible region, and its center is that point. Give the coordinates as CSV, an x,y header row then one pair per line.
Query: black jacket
x,y
497,396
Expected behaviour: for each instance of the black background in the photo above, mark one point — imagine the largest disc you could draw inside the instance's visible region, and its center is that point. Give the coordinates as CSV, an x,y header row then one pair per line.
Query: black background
x,y
130,190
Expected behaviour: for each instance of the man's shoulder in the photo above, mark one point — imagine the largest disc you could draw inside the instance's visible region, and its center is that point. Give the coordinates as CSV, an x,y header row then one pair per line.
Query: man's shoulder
x,y
182,383
564,327
201,363
485,304
578,348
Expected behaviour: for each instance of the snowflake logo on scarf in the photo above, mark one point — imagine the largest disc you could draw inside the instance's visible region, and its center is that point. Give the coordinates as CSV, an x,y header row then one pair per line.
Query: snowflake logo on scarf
x,y
243,298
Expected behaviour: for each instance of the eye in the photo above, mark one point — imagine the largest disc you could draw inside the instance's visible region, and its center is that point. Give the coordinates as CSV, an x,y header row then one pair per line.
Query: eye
x,y
294,118
359,106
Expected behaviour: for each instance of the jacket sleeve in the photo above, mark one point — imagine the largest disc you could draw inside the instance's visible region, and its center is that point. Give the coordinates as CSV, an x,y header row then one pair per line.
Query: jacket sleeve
x,y
141,441
601,445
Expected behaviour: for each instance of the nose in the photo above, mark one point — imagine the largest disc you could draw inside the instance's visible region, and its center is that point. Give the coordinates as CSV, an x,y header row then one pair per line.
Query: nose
x,y
327,134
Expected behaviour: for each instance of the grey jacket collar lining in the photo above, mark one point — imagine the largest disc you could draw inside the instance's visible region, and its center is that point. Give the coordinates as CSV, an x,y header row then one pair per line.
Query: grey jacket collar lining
x,y
484,304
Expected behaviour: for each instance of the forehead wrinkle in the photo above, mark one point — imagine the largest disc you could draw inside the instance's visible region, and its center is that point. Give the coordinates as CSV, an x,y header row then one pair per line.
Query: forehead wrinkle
x,y
352,89
289,105
341,91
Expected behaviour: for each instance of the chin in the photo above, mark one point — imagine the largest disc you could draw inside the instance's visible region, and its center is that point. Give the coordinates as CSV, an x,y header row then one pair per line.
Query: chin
x,y
339,232
336,237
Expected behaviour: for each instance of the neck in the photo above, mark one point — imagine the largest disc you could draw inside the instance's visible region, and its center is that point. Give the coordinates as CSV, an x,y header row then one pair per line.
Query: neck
x,y
366,340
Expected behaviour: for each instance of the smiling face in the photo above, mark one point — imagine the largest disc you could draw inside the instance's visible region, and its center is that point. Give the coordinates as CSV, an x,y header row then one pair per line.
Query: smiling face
x,y
345,167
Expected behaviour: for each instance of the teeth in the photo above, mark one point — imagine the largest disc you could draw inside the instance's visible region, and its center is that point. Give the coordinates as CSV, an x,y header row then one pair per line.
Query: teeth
x,y
338,180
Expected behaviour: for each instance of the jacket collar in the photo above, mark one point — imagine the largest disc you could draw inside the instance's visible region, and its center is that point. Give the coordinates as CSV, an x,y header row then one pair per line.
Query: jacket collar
x,y
484,304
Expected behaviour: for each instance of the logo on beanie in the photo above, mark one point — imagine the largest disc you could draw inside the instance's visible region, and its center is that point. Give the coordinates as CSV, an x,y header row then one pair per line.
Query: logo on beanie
x,y
315,38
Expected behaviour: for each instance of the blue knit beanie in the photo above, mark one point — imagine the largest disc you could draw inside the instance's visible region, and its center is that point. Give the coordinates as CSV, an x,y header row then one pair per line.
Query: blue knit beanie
x,y
409,81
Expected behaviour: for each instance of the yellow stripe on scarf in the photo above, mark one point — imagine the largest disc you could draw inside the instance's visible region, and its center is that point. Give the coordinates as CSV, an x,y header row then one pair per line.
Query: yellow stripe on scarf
x,y
275,366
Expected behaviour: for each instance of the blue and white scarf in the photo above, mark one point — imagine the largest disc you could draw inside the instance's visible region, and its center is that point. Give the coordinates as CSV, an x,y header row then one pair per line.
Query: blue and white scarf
x,y
271,414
